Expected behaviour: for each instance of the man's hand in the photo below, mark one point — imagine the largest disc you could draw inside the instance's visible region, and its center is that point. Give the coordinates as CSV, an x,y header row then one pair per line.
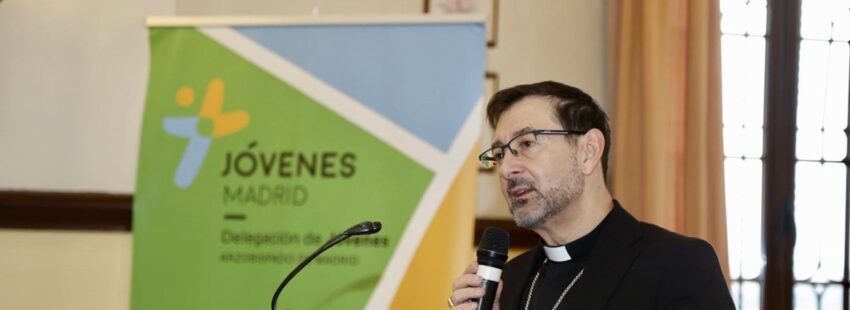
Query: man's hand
x,y
467,288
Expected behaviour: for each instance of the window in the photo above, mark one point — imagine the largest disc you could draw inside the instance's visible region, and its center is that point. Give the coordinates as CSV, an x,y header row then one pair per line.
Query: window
x,y
743,25
817,165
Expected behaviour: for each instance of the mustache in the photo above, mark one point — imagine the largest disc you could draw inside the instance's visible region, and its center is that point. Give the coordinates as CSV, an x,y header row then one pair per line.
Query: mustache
x,y
514,182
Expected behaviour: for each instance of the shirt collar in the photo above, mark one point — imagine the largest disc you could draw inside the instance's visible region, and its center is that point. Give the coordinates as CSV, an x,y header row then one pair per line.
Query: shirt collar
x,y
578,248
557,254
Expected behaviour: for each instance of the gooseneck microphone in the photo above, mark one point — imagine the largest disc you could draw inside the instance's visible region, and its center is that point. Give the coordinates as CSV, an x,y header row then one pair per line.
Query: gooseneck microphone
x,y
365,228
492,255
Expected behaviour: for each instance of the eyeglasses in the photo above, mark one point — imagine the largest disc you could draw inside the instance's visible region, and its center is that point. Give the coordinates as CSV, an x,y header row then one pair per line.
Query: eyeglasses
x,y
525,143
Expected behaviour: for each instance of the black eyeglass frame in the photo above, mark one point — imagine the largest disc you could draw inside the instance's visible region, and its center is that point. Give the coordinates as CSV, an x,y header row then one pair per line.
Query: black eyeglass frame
x,y
536,132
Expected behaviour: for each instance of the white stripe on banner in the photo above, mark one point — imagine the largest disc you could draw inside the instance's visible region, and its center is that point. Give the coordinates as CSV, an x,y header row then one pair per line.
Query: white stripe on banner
x,y
335,100
444,166
467,139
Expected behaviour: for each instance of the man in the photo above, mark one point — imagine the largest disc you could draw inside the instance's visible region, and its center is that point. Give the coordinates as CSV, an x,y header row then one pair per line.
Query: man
x,y
551,151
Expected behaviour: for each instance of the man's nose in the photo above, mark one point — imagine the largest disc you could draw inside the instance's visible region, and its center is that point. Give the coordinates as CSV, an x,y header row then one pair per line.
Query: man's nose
x,y
511,165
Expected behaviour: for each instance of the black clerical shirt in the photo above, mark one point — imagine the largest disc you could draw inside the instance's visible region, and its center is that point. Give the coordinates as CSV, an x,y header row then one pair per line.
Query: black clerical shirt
x,y
628,265
556,276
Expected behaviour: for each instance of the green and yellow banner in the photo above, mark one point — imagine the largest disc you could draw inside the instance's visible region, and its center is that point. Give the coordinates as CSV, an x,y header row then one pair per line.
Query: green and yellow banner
x,y
259,143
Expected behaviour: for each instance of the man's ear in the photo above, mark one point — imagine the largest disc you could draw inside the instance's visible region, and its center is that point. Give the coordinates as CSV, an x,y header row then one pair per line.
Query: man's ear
x,y
591,147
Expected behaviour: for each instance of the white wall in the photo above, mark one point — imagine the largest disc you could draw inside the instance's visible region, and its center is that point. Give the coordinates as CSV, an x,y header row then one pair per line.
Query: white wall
x,y
562,41
72,84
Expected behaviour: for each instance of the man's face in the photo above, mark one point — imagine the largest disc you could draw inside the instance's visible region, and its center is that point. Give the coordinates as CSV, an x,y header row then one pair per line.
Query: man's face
x,y
542,181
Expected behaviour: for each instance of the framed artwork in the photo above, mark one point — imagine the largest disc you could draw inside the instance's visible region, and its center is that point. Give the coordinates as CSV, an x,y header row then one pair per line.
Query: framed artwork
x,y
491,86
491,205
488,8
491,83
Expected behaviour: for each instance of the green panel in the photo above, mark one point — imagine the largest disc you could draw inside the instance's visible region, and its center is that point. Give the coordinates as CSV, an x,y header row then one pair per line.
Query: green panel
x,y
188,256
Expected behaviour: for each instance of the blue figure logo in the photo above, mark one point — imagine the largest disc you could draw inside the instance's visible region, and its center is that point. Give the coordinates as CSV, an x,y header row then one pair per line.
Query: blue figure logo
x,y
202,129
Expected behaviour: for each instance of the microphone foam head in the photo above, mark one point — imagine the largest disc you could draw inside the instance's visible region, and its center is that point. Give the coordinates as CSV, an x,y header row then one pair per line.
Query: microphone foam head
x,y
493,248
365,228
495,240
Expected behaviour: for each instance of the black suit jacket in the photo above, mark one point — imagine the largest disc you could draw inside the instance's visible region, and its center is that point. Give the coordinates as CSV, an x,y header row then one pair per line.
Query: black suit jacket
x,y
632,265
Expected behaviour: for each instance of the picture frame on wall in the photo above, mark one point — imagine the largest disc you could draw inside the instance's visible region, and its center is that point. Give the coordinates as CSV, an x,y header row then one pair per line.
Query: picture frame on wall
x,y
491,207
488,8
491,86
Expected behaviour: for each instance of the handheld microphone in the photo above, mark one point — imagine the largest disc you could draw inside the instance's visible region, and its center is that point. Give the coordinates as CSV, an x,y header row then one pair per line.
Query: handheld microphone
x,y
365,228
492,255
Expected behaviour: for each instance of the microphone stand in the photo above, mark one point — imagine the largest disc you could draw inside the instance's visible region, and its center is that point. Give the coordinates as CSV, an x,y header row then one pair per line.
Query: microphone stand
x,y
364,228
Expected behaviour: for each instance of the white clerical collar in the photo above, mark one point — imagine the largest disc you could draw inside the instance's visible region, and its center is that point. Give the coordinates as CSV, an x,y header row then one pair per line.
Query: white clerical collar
x,y
557,254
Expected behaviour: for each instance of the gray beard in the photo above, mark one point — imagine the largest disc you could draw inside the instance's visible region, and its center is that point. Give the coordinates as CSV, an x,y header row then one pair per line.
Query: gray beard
x,y
551,202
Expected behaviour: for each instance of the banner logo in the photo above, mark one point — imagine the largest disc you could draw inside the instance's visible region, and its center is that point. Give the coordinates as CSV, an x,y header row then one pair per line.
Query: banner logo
x,y
200,130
